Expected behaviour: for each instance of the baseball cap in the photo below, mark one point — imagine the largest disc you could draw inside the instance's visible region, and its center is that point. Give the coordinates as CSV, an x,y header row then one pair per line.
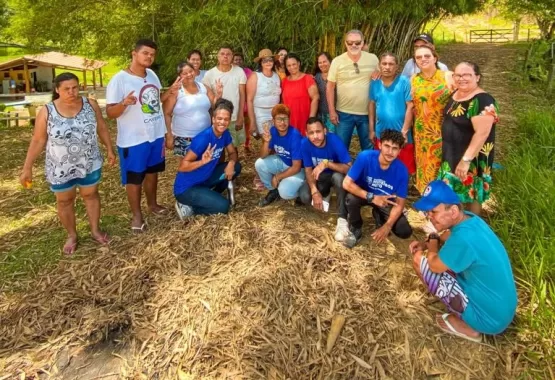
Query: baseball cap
x,y
424,37
436,192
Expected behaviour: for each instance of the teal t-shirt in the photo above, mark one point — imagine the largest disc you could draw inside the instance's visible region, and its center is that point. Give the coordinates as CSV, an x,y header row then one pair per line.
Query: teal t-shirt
x,y
480,260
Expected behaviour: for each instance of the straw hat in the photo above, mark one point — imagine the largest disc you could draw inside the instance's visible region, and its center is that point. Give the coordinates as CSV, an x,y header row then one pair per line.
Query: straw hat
x,y
265,53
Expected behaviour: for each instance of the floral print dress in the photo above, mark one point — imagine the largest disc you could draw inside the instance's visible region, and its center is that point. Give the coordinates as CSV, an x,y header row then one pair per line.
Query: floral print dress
x,y
457,132
429,96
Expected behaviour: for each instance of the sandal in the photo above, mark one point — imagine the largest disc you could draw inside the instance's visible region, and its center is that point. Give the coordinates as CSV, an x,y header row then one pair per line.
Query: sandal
x,y
257,184
161,211
139,230
69,247
449,329
103,239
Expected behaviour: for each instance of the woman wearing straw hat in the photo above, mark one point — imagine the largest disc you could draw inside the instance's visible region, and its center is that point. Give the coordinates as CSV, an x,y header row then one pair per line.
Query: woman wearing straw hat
x,y
263,92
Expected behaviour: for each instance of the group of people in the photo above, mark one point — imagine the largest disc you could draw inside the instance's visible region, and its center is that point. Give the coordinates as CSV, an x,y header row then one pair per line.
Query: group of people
x,y
427,122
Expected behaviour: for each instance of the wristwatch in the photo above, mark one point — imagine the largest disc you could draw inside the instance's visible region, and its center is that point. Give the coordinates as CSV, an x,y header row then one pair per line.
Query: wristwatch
x,y
466,159
369,197
325,162
433,236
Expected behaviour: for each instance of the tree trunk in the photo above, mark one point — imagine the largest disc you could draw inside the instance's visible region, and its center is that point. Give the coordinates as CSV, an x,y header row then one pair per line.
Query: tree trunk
x,y
516,29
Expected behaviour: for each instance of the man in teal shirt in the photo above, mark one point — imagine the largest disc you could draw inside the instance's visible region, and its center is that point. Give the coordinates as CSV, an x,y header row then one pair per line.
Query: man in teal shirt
x,y
466,267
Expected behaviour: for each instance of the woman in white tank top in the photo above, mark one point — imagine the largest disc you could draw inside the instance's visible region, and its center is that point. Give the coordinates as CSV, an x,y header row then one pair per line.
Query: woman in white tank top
x,y
187,112
263,92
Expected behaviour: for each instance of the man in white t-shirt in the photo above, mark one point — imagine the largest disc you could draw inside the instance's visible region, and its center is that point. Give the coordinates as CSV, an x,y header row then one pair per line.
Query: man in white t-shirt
x,y
349,75
234,82
133,99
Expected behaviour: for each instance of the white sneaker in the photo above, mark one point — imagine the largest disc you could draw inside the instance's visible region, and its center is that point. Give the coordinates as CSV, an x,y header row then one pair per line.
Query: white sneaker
x,y
341,230
183,211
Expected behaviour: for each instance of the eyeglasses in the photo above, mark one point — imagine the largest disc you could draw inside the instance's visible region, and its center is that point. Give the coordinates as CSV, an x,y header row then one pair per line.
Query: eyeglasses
x,y
282,119
356,43
357,70
421,57
464,76
266,60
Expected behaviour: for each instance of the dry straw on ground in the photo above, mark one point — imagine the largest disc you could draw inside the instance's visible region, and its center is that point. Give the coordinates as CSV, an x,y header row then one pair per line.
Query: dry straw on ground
x,y
250,295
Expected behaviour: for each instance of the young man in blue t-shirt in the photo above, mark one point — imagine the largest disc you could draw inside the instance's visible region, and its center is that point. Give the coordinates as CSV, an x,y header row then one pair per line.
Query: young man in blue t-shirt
x,y
201,178
390,107
279,166
466,267
380,180
326,161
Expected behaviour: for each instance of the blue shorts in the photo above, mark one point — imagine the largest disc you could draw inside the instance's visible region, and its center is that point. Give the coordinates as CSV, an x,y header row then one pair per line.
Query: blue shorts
x,y
91,179
136,161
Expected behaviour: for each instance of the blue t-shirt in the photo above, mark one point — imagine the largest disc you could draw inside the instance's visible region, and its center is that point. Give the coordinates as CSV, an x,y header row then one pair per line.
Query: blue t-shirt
x,y
334,151
478,257
368,174
186,180
391,104
287,147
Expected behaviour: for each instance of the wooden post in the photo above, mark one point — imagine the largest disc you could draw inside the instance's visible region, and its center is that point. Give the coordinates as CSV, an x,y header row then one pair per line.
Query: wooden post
x,y
516,30
528,38
454,37
100,76
551,76
26,75
94,79
491,35
17,119
84,79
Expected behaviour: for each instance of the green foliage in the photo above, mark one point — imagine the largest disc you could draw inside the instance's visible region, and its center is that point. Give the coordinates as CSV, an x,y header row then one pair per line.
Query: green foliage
x,y
109,27
542,10
525,221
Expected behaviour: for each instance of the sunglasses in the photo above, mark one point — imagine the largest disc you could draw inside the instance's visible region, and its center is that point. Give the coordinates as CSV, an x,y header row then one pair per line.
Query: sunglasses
x,y
421,57
356,43
357,70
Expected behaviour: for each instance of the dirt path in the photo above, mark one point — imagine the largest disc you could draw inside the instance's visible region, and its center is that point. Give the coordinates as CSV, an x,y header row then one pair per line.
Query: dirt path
x,y
245,296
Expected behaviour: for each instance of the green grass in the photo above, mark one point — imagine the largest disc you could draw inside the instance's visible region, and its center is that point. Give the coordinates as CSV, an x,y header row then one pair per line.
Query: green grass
x,y
525,218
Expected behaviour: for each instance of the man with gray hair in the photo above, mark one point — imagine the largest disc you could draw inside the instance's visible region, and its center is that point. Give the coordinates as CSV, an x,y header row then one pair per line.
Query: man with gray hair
x,y
351,72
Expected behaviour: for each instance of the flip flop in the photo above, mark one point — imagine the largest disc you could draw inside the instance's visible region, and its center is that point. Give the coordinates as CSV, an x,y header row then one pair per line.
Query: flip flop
x,y
69,248
138,230
103,239
451,330
161,212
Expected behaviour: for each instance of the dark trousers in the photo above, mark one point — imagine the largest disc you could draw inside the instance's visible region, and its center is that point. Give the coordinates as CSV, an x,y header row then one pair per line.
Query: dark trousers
x,y
206,198
327,180
401,228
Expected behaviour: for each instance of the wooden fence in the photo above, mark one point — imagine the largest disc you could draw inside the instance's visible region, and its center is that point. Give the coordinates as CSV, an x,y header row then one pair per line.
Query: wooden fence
x,y
491,35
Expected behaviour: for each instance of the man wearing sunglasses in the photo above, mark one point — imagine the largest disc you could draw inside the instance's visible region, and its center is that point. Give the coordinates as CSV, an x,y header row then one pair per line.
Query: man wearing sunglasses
x,y
351,72
411,68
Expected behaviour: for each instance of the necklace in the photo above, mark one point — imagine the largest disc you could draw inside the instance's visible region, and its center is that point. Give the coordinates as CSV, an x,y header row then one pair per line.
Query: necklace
x,y
137,75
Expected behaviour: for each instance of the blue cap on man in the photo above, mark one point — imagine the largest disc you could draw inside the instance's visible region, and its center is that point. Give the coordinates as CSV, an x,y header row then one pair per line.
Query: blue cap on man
x,y
436,192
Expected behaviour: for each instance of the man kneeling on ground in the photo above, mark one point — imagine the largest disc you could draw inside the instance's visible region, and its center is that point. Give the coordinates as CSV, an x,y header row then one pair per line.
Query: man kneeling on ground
x,y
326,161
281,172
380,180
200,177
466,267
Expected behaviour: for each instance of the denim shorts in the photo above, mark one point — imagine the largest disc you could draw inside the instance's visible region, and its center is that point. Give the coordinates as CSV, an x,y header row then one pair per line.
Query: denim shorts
x,y
90,180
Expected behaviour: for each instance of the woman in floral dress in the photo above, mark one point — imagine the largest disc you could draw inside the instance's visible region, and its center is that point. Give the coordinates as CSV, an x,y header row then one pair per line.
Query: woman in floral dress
x,y
468,132
430,93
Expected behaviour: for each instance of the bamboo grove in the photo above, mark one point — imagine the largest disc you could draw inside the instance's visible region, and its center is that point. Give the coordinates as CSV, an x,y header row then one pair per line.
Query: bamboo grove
x,y
107,28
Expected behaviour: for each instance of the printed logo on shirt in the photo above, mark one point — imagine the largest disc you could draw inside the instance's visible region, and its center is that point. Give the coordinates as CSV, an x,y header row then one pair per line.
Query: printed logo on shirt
x,y
217,153
379,184
150,99
281,151
316,161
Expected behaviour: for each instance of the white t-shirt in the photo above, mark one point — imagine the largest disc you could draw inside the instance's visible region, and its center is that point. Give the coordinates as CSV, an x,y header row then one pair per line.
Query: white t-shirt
x,y
143,121
231,81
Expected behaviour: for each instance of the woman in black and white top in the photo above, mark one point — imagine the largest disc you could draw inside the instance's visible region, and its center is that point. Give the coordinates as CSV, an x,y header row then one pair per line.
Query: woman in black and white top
x,y
68,128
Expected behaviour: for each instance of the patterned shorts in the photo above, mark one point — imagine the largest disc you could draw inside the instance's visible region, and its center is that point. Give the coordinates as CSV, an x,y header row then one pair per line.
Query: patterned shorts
x,y
445,287
181,145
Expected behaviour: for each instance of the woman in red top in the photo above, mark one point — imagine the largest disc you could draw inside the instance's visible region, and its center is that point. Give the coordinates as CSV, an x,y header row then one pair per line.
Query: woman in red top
x,y
299,93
